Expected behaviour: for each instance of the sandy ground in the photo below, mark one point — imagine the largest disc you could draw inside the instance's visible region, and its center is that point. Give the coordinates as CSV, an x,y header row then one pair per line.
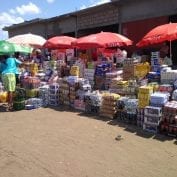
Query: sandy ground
x,y
59,143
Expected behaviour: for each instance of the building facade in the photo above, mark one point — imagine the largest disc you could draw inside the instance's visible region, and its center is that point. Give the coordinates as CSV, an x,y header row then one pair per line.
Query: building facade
x,y
132,18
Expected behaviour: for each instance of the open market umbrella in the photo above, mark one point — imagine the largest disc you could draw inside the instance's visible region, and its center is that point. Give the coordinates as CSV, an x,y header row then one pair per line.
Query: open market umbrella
x,y
57,42
28,39
6,47
159,34
102,40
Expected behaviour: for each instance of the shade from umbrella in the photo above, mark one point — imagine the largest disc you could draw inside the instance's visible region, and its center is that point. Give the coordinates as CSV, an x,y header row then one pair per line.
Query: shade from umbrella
x,y
57,42
102,40
159,34
28,39
6,47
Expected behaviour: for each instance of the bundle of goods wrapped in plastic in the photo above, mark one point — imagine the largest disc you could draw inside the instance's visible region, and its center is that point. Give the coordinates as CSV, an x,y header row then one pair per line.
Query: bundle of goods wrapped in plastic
x,y
120,107
74,71
174,95
155,61
89,74
73,92
166,88
31,84
152,118
158,99
33,103
64,92
131,106
93,102
100,74
169,119
120,87
54,94
108,107
110,76
44,95
153,77
168,76
128,68
141,70
140,117
144,93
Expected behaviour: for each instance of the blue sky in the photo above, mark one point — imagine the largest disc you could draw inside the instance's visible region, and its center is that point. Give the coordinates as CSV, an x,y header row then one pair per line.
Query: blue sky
x,y
16,11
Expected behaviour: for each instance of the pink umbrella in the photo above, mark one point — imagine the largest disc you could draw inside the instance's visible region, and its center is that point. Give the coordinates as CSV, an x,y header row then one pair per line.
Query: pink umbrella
x,y
63,42
102,40
28,39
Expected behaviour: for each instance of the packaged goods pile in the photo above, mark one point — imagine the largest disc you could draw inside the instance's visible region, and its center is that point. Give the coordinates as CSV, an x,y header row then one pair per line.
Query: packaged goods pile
x,y
169,119
108,107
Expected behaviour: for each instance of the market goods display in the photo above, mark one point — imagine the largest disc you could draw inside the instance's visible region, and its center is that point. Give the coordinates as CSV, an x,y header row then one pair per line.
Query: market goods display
x,y
89,74
53,94
44,95
144,93
152,118
108,107
93,101
169,119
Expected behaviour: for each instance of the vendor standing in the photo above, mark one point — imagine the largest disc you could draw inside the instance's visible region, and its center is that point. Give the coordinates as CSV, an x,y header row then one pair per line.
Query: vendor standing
x,y
9,69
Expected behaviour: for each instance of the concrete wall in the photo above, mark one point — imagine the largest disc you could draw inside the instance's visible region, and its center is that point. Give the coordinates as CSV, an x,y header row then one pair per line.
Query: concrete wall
x,y
143,9
117,12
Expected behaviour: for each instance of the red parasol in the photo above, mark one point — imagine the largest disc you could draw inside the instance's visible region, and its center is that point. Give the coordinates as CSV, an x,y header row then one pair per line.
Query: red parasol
x,y
159,34
102,40
57,42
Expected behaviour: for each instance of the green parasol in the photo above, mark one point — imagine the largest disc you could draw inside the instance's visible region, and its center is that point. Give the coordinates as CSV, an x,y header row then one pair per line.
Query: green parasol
x,y
6,47
10,48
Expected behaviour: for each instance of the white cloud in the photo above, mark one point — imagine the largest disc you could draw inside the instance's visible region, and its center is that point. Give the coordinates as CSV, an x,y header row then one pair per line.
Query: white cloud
x,y
50,1
94,3
29,8
7,19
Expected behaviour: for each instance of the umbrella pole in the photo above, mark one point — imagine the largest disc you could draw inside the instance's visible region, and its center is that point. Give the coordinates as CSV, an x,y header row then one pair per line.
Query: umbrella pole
x,y
170,51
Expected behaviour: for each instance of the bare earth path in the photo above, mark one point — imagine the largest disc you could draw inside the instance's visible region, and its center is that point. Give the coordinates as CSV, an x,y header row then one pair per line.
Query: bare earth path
x,y
51,143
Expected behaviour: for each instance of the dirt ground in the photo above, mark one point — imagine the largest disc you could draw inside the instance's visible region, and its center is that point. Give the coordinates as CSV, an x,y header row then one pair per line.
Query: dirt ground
x,y
60,143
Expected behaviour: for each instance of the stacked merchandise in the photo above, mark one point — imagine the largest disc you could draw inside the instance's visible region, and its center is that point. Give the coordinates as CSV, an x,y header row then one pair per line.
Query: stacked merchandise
x,y
93,102
131,90
73,92
44,95
114,85
100,74
131,106
141,70
168,76
120,87
64,92
111,76
154,75
108,107
74,71
19,99
166,88
174,95
31,85
144,94
81,65
33,103
158,99
33,69
169,119
152,118
54,94
128,68
140,117
89,74
155,62
84,88
120,108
